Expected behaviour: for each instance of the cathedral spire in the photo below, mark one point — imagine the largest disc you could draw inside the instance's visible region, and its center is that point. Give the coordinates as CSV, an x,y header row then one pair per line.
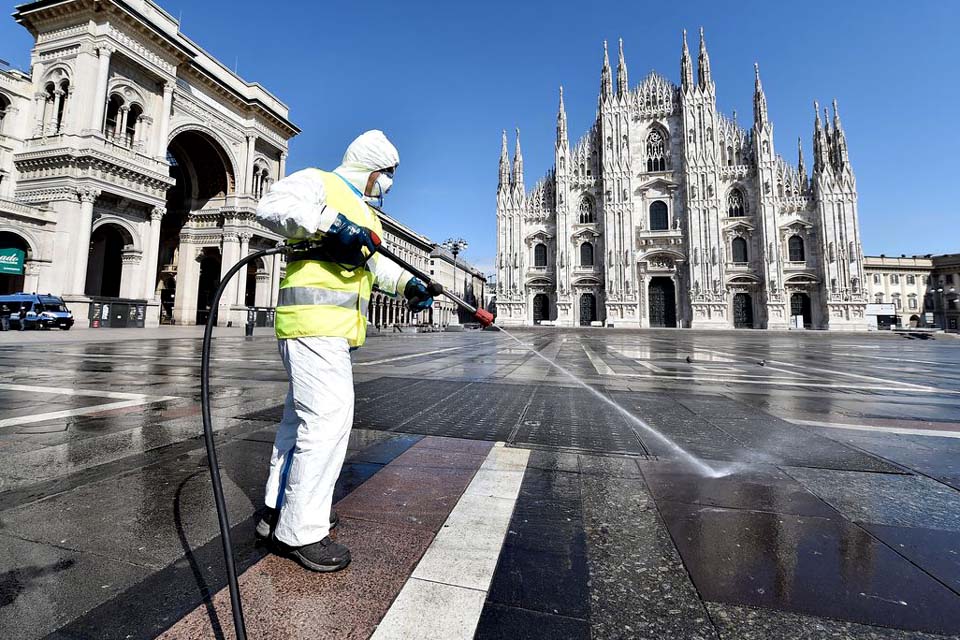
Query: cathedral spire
x,y
504,164
518,164
561,123
839,139
759,99
821,152
703,64
801,165
623,84
606,80
686,65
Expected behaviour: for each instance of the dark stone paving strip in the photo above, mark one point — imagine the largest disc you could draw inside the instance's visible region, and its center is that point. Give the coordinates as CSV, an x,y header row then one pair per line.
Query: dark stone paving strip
x,y
541,576
816,566
388,523
638,585
148,608
749,623
48,488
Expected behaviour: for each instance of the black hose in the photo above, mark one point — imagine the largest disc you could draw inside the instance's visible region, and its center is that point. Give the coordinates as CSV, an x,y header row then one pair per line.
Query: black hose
x,y
222,515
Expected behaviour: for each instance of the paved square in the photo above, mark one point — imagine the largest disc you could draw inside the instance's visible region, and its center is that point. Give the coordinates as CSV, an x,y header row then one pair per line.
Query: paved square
x,y
533,485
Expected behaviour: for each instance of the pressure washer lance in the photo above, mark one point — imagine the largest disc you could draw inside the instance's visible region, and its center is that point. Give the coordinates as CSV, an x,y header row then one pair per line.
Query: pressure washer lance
x,y
310,248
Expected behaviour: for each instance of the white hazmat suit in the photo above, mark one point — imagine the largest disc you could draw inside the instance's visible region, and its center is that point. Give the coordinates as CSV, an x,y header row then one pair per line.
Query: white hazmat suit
x,y
311,441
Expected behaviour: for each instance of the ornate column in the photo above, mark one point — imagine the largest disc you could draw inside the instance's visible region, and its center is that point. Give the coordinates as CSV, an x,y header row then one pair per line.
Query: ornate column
x,y
261,296
275,280
53,126
230,253
87,197
100,98
39,107
153,253
241,277
31,276
248,176
129,286
283,166
164,129
120,130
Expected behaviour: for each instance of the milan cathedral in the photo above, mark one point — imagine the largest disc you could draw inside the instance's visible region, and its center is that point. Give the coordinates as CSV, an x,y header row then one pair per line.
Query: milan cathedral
x,y
669,214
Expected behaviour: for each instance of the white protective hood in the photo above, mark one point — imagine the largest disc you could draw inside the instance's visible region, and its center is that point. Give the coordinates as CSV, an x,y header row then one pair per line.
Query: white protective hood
x,y
370,152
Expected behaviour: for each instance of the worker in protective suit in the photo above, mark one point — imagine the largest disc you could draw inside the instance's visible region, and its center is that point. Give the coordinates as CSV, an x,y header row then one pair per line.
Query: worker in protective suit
x,y
321,316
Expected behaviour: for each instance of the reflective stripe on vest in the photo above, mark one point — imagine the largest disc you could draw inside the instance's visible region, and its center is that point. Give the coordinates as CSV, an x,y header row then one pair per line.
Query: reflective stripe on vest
x,y
322,298
292,296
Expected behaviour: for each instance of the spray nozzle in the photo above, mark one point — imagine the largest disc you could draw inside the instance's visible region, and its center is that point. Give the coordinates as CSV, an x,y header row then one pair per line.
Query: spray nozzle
x,y
484,317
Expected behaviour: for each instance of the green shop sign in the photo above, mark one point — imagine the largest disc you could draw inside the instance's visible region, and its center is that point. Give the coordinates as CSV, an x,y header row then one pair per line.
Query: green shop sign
x,y
11,262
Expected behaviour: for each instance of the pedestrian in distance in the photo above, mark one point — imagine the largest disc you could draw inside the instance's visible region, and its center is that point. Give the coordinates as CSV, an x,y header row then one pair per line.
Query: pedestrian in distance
x,y
321,317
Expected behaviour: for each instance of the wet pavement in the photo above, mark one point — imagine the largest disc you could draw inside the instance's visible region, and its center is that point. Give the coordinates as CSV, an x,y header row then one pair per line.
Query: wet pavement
x,y
832,509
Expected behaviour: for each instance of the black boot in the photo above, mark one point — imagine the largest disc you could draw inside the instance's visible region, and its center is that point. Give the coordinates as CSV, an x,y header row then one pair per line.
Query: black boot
x,y
324,556
268,522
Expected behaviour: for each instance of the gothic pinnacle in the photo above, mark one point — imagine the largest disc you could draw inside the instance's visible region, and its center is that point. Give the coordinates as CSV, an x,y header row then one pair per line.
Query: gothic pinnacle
x,y
518,163
623,84
561,122
703,64
504,162
606,81
759,99
801,165
686,66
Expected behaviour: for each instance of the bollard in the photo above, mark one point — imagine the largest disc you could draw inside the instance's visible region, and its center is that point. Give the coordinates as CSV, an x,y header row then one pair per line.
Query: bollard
x,y
251,321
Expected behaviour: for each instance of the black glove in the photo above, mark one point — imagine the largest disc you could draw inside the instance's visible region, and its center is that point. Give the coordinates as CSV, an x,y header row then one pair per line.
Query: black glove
x,y
347,243
417,295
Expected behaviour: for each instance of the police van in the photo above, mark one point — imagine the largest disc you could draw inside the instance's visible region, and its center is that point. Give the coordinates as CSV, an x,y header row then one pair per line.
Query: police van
x,y
35,311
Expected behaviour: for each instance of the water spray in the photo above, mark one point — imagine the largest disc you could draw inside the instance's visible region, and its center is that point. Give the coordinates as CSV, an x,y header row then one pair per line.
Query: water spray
x,y
313,249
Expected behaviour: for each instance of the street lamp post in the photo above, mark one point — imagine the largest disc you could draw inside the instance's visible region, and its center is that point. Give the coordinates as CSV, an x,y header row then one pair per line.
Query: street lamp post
x,y
455,246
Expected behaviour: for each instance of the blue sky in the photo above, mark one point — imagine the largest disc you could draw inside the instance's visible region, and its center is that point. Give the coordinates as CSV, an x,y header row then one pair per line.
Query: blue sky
x,y
443,78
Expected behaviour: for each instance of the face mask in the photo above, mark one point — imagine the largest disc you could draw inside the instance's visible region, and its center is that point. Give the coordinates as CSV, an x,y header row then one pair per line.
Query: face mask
x,y
380,188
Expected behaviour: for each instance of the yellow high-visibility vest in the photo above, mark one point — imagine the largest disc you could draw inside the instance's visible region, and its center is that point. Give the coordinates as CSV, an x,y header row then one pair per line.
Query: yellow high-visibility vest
x,y
322,298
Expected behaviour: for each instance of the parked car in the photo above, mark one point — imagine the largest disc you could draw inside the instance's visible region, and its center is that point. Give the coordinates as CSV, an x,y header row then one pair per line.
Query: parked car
x,y
36,311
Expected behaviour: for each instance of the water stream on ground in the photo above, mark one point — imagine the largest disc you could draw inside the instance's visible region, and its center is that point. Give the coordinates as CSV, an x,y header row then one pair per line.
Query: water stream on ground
x,y
701,467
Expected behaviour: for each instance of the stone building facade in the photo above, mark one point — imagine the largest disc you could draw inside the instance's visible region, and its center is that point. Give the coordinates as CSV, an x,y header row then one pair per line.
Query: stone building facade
x,y
668,213
131,163
924,290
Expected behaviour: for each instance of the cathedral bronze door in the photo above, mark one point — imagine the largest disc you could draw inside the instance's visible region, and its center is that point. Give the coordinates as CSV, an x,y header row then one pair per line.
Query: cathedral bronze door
x,y
662,302
743,311
800,306
588,309
541,308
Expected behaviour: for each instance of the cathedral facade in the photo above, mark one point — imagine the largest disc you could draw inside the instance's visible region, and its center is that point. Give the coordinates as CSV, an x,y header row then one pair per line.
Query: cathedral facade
x,y
669,214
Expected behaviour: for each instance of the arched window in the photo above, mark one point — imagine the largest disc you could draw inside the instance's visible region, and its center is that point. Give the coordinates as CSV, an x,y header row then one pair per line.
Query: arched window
x,y
876,278
586,211
894,278
735,208
658,216
112,121
60,102
4,107
656,152
739,250
911,279
586,255
540,255
795,248
132,125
